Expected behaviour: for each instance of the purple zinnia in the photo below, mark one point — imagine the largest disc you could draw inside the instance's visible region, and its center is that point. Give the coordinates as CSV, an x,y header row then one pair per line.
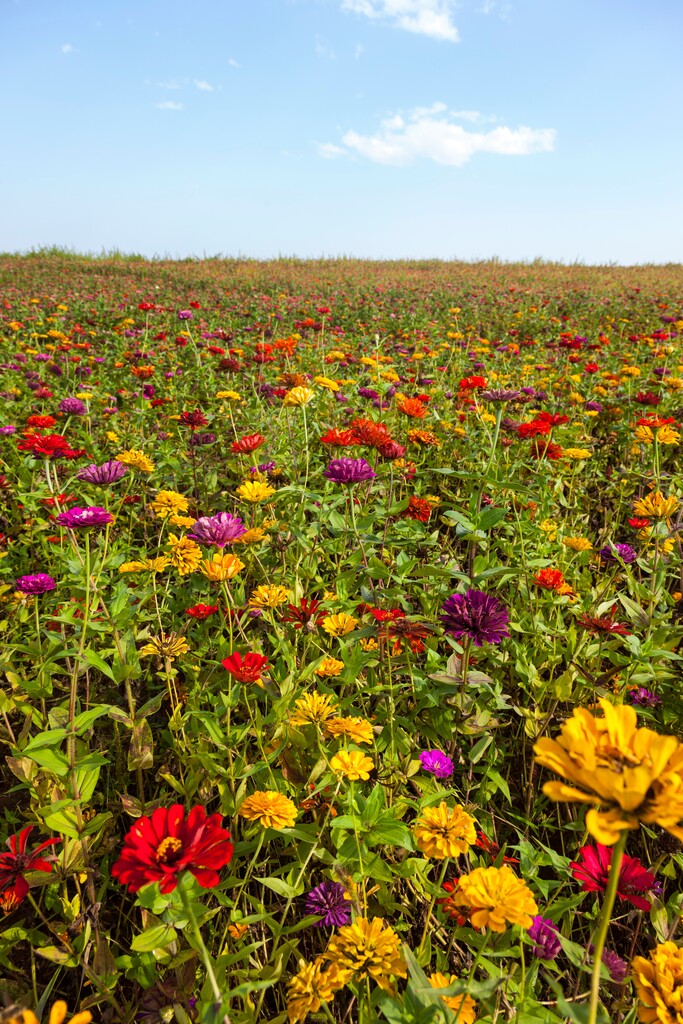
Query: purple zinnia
x,y
621,552
644,698
72,406
545,937
82,518
218,530
329,900
185,314
618,968
439,764
349,471
482,618
108,473
593,406
501,395
38,583
9,429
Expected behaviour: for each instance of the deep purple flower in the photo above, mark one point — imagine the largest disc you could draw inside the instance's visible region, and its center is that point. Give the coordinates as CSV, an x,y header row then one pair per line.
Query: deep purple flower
x,y
38,583
218,530
643,698
72,406
482,618
148,390
263,467
368,393
439,764
329,900
82,518
108,473
619,970
185,314
593,406
499,395
198,440
349,471
621,552
545,936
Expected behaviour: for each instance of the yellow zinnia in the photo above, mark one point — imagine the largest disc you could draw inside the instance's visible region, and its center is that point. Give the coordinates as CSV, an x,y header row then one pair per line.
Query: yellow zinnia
x,y
313,708
253,536
268,596
497,897
298,396
656,506
136,459
631,774
576,453
166,645
368,949
326,382
270,808
148,565
358,730
330,667
444,832
168,503
352,765
312,987
185,554
339,624
577,543
659,984
464,1005
58,1013
255,490
221,567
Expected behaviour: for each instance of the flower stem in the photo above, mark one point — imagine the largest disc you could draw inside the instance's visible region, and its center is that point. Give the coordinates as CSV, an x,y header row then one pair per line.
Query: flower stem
x,y
439,887
194,928
605,918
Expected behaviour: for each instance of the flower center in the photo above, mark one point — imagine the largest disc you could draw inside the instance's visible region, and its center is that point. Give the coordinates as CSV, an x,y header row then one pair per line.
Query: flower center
x,y
166,850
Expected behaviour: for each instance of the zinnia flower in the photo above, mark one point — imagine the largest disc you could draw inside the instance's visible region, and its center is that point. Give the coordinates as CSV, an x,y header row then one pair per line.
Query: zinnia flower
x,y
437,763
330,667
545,937
659,984
72,407
311,987
19,860
91,517
339,624
298,396
656,506
255,490
352,765
218,530
108,473
221,567
38,583
331,901
349,471
358,730
593,867
444,831
611,554
185,554
313,708
270,809
168,503
497,897
58,1012
166,645
463,1006
246,444
630,774
159,847
479,616
201,612
136,459
247,669
268,596
368,949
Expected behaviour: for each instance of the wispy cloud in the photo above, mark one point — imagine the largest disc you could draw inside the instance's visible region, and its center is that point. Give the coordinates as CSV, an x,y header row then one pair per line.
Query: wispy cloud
x,y
67,48
431,133
203,85
233,63
423,17
169,105
171,84
324,51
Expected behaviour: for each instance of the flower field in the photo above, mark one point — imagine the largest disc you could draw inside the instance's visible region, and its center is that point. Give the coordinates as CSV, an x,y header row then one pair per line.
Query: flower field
x,y
340,607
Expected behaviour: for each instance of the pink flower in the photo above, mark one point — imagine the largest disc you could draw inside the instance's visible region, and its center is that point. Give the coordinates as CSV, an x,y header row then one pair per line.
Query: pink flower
x,y
592,870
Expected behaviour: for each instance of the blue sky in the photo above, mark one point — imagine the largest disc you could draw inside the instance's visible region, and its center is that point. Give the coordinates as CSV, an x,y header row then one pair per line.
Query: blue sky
x,y
368,128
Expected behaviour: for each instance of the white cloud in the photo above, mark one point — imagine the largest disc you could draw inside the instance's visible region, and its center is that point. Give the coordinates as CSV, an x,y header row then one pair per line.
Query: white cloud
x,y
429,133
203,85
169,105
67,48
233,63
169,85
423,17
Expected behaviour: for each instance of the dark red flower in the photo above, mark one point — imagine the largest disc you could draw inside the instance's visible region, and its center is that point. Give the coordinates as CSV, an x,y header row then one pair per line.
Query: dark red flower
x,y
418,509
603,624
397,630
545,449
193,420
247,669
593,868
49,446
200,612
368,433
648,398
19,860
246,444
158,848
306,614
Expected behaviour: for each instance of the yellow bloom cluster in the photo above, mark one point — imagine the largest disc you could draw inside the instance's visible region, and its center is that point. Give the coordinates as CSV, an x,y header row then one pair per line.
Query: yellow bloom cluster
x,y
185,554
497,897
659,984
269,808
577,543
330,667
312,987
168,503
656,506
368,949
313,708
464,1006
298,396
221,567
339,624
352,765
268,596
443,831
255,490
358,730
136,459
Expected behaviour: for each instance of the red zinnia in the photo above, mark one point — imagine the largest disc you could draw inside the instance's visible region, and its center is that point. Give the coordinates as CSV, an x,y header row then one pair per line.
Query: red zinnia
x,y
306,614
594,868
246,444
201,611
369,433
469,383
247,669
41,422
548,449
49,446
418,509
193,420
603,624
338,438
533,428
158,848
414,408
14,864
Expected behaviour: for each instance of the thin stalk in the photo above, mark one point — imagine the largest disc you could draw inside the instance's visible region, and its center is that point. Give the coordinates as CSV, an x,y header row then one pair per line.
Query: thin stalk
x,y
605,918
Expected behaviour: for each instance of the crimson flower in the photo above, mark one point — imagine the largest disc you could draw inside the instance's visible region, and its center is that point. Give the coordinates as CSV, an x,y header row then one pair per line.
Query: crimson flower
x,y
592,870
305,614
247,669
603,624
338,438
545,449
368,433
493,849
246,444
19,860
418,508
200,612
193,420
49,446
158,848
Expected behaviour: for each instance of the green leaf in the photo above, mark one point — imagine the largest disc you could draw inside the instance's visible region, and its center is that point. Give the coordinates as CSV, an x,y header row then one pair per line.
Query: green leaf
x,y
282,888
94,659
159,937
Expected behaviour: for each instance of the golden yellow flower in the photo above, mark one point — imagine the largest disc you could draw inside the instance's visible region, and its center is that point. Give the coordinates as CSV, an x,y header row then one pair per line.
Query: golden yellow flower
x,y
659,984
166,645
339,624
268,596
656,506
255,490
112,436
463,1005
630,774
444,832
148,565
368,949
313,708
234,396
330,667
183,521
550,528
368,643
312,987
665,434
58,1013
358,730
136,459
185,554
253,536
352,765
270,808
222,566
298,396
326,382
577,543
576,453
168,503
497,896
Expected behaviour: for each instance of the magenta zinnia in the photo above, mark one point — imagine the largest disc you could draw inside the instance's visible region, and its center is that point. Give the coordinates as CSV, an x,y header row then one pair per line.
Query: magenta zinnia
x,y
482,618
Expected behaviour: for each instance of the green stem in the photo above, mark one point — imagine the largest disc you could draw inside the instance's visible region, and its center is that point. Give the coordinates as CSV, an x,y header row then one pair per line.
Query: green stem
x,y
439,887
194,928
605,918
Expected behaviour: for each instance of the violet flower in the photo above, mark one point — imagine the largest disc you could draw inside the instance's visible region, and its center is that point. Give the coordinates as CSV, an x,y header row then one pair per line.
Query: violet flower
x,y
349,471
218,530
329,900
83,518
621,553
482,618
437,763
108,473
37,583
73,407
545,936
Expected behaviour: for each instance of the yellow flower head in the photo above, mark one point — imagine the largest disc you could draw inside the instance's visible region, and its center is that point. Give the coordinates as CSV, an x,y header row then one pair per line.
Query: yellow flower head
x,y
268,596
368,949
253,536
326,382
313,708
234,396
444,832
113,437
168,503
185,554
298,396
550,528
184,521
221,567
312,987
352,765
330,667
136,459
656,506
577,543
340,624
269,808
358,730
576,453
464,1005
148,565
255,490
659,984
630,774
166,645
497,897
